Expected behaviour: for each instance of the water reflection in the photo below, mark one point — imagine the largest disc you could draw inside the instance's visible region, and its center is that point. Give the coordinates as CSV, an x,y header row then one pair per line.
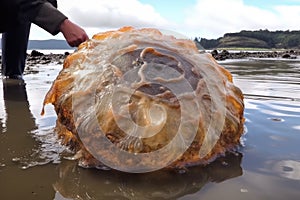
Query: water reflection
x,y
78,183
28,145
18,122
271,165
15,139
17,108
267,78
288,168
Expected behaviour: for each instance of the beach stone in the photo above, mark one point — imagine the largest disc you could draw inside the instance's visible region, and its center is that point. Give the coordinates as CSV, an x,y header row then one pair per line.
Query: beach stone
x,y
286,55
35,53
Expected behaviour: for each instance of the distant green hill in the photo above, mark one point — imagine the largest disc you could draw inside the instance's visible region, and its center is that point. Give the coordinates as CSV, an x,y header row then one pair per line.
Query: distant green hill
x,y
254,39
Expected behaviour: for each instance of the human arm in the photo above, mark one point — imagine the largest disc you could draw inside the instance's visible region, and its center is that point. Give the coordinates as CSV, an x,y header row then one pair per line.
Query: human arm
x,y
46,16
53,21
43,14
73,34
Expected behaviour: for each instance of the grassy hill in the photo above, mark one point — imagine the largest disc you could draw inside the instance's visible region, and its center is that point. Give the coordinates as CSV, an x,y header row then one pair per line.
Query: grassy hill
x,y
254,39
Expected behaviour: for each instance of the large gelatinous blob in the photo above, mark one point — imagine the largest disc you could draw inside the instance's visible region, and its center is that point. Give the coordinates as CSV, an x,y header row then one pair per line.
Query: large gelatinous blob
x,y
138,101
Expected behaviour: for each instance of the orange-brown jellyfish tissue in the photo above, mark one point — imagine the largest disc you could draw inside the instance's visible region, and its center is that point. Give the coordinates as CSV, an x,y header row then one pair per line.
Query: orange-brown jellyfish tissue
x,y
137,101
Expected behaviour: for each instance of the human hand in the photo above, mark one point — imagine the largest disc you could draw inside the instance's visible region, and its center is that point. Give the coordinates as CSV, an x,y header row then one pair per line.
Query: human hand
x,y
73,34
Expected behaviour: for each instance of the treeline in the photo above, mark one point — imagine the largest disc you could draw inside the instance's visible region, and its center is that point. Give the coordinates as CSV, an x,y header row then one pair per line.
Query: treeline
x,y
254,39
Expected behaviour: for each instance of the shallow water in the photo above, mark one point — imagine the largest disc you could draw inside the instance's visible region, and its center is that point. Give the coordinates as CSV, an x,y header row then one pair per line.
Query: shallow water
x,y
34,166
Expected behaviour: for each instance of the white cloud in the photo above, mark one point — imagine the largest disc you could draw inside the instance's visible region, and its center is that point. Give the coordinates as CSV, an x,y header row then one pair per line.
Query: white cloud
x,y
111,13
207,18
101,15
213,18
288,17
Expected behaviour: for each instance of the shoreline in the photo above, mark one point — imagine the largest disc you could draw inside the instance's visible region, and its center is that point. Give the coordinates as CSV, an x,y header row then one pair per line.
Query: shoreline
x,y
221,55
38,58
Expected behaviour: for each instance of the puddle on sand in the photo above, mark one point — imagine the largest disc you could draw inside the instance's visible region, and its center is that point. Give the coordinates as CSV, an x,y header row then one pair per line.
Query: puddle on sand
x,y
32,167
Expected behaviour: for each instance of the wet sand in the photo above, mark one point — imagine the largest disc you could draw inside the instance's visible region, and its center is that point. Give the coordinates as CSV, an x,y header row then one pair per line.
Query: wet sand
x,y
33,163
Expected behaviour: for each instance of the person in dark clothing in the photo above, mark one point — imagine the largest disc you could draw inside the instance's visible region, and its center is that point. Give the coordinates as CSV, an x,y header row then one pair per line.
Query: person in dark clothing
x,y
16,17
14,47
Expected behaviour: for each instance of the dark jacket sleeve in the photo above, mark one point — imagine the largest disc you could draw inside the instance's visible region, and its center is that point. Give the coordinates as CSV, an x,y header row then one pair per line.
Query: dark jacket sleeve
x,y
49,18
39,12
8,14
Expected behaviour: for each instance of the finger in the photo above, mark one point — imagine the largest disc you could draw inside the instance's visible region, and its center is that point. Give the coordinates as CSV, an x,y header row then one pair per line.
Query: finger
x,y
73,43
84,37
78,42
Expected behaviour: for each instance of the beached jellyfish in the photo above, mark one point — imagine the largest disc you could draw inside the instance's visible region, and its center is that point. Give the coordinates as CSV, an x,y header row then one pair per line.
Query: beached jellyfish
x,y
136,100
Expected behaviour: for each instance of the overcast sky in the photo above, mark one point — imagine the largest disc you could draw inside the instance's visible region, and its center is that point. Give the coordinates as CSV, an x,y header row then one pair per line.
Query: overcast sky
x,y
192,18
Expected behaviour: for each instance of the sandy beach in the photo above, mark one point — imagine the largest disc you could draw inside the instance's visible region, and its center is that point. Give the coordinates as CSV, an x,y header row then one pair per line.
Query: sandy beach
x,y
33,164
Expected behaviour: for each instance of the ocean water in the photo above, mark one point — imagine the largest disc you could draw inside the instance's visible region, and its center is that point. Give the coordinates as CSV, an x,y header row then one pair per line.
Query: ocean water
x,y
33,165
